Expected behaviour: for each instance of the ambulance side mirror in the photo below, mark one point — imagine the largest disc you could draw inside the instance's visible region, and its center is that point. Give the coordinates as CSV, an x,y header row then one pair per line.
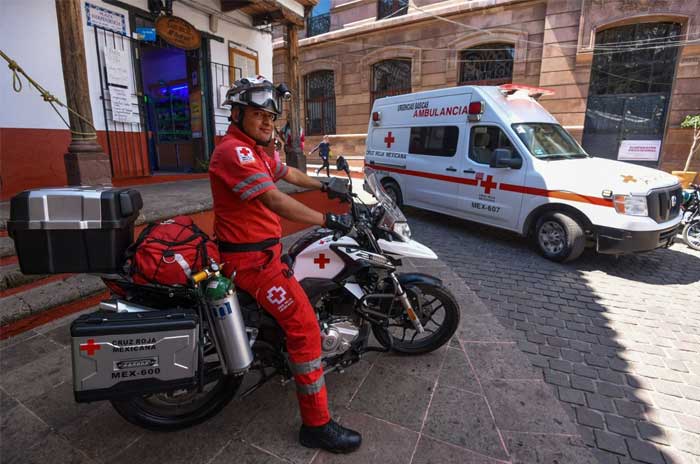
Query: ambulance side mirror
x,y
503,158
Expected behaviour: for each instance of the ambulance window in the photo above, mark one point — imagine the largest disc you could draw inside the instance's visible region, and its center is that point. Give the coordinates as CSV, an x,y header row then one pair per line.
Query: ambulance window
x,y
484,140
434,141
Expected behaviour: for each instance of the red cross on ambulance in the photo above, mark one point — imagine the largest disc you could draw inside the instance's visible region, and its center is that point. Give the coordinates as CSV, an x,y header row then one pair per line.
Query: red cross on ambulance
x,y
389,139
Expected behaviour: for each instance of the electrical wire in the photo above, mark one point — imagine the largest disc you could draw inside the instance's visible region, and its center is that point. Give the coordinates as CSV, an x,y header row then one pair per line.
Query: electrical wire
x,y
487,31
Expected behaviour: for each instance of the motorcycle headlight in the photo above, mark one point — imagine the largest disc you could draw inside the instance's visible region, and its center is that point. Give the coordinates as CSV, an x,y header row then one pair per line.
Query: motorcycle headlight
x,y
402,230
631,205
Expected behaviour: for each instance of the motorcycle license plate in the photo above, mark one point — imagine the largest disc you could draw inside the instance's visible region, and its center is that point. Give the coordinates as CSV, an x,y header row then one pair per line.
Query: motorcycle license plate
x,y
117,355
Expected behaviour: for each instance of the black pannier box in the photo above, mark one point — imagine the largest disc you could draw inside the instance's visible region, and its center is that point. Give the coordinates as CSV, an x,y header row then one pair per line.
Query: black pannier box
x,y
77,229
121,354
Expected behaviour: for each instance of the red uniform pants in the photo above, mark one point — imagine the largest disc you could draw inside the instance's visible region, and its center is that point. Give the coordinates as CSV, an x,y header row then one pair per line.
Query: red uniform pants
x,y
286,301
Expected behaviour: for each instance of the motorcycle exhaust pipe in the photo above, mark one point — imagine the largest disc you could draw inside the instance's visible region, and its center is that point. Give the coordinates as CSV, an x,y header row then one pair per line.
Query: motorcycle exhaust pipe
x,y
227,326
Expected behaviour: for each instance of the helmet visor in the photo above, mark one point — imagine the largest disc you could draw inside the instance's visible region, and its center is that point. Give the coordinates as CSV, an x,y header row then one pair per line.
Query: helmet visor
x,y
266,98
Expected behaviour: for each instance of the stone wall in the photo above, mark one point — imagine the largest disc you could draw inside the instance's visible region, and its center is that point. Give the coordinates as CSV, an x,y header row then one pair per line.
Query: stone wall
x,y
566,27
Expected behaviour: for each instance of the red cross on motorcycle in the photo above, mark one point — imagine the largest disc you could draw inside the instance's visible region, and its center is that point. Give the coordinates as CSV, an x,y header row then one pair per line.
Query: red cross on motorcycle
x,y
389,139
322,261
90,347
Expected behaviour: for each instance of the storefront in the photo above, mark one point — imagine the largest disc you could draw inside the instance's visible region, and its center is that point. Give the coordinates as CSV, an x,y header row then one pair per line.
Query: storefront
x,y
155,95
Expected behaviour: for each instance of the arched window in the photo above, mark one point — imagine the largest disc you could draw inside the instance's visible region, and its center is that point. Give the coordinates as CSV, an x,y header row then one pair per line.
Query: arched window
x,y
320,103
489,64
390,77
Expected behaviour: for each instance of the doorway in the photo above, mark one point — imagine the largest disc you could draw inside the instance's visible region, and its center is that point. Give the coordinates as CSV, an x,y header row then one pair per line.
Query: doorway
x,y
629,93
171,82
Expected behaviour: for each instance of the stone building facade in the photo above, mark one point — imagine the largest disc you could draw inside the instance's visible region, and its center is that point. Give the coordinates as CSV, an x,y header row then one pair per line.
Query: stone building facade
x,y
584,50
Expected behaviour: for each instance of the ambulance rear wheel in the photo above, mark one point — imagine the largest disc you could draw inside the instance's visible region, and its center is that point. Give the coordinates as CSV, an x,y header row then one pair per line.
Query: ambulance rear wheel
x,y
394,191
559,237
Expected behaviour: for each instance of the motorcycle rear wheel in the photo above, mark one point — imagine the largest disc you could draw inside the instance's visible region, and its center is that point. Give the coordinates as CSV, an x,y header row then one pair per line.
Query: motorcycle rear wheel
x,y
432,299
172,411
691,234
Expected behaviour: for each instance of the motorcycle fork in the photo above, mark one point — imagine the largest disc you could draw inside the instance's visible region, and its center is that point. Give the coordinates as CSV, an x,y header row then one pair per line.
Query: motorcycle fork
x,y
405,302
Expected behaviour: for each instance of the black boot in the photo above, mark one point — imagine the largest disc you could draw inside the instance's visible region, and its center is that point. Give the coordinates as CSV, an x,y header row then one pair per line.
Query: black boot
x,y
331,437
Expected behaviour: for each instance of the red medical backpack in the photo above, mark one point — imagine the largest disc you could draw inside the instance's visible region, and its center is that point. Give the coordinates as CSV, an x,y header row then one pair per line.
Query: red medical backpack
x,y
169,252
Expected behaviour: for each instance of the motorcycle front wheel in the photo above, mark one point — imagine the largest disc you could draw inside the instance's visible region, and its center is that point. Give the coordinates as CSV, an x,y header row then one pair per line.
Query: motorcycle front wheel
x,y
691,234
439,313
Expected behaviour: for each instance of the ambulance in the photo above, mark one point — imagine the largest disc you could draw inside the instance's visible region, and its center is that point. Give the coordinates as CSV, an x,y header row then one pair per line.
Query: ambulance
x,y
495,156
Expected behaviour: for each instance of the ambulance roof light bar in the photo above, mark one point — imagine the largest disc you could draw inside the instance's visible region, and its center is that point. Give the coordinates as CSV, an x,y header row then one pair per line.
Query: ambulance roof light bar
x,y
534,92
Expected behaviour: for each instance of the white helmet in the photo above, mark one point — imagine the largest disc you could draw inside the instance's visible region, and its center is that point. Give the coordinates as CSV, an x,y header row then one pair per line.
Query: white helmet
x,y
258,92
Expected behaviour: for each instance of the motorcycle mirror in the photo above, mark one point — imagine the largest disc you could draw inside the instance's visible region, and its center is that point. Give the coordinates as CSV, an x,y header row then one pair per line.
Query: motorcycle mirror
x,y
341,164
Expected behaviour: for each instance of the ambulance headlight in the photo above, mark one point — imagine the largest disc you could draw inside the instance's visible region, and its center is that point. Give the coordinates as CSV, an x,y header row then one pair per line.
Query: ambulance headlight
x,y
631,205
402,230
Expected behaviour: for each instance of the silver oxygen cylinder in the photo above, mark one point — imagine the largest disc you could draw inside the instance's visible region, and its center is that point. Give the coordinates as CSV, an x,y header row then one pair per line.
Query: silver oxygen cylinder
x,y
226,320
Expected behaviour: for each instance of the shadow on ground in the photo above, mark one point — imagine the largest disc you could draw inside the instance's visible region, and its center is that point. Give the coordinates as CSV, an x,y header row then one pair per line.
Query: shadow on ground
x,y
618,338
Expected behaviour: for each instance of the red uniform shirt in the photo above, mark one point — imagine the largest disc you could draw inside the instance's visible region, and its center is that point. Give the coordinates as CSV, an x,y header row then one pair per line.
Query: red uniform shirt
x,y
240,171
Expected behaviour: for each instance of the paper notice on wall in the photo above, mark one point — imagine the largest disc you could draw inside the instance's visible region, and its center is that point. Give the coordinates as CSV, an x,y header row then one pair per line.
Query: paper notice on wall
x,y
639,150
121,104
118,67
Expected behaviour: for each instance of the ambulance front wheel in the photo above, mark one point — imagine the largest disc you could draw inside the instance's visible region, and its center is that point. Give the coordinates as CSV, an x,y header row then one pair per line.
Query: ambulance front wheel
x,y
394,191
559,237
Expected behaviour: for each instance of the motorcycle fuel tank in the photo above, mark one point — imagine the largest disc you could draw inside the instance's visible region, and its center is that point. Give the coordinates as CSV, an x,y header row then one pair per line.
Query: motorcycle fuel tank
x,y
319,261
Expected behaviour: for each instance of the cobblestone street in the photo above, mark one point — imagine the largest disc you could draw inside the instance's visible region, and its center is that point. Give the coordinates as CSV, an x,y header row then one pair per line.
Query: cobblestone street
x,y
619,339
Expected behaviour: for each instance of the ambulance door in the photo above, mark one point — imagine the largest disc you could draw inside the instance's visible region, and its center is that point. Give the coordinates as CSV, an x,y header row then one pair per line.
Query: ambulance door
x,y
433,166
491,195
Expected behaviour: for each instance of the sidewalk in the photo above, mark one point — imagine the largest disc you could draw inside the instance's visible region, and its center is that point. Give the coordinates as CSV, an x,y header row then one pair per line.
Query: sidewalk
x,y
466,403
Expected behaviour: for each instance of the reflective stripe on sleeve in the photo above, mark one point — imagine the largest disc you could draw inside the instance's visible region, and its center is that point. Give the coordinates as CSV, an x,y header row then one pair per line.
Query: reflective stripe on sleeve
x,y
248,180
311,388
305,367
250,192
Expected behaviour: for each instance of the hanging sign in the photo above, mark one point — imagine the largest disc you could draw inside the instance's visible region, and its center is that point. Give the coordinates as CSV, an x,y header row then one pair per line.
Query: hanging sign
x,y
178,32
104,18
117,64
639,150
119,84
120,98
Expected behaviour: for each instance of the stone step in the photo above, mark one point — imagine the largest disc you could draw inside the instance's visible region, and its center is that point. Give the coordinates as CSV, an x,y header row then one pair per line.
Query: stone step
x,y
59,291
12,278
7,247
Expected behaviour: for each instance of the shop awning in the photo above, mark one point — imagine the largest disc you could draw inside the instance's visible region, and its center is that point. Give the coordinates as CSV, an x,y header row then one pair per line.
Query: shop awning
x,y
271,11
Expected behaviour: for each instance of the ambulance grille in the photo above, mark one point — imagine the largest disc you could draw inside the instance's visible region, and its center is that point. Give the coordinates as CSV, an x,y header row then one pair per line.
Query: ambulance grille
x,y
662,204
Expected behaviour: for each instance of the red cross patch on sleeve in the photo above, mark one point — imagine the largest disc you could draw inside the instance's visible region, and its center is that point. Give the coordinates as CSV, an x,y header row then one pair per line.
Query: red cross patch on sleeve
x,y
245,155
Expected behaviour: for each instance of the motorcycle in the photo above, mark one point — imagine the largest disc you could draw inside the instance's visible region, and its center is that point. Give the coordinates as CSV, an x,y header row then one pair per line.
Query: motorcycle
x,y
352,282
691,217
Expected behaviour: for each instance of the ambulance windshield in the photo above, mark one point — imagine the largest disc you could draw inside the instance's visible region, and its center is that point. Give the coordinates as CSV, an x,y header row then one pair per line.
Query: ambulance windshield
x,y
548,141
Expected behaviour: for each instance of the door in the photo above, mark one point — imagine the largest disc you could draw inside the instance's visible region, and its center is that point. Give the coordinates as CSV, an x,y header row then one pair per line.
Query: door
x,y
630,91
490,195
433,166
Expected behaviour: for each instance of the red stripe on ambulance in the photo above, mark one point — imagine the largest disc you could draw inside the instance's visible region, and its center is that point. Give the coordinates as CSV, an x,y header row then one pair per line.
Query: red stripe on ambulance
x,y
562,195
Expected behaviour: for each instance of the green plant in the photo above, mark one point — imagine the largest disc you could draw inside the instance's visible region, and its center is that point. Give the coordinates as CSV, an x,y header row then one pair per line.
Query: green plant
x,y
692,120
201,165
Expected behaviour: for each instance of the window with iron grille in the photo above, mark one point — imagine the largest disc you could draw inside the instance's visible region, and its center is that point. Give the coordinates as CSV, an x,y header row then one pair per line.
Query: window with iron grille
x,y
390,77
320,103
391,8
318,24
490,64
